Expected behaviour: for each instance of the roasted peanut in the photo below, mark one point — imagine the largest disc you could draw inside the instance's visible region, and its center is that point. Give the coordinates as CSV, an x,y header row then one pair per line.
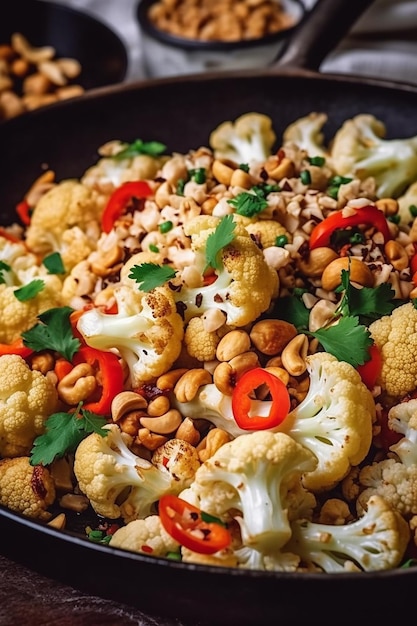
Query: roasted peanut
x,y
169,380
188,432
294,354
158,406
389,206
226,375
125,402
78,384
164,424
321,313
396,255
270,336
359,273
214,440
149,440
233,343
279,168
317,261
188,385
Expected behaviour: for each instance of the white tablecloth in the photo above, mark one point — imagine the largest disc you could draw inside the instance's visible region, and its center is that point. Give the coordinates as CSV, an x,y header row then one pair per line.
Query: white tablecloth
x,y
383,43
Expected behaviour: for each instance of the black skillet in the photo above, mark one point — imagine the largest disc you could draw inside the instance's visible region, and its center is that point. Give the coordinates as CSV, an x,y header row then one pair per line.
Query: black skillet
x,y
181,113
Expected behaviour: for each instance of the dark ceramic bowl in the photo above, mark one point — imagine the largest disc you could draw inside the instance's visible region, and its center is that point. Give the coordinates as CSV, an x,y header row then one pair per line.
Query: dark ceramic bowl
x,y
170,55
73,33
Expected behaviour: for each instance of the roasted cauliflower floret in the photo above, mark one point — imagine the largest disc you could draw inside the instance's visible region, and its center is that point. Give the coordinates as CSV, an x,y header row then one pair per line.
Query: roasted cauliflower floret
x,y
27,399
26,489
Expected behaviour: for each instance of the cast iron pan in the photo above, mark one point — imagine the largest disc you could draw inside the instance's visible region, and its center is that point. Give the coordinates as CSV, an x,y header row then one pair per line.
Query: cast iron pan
x,y
181,113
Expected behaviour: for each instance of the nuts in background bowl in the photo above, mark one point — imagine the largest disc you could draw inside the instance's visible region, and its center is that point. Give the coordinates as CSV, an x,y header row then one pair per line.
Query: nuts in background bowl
x,y
50,51
191,36
220,20
31,77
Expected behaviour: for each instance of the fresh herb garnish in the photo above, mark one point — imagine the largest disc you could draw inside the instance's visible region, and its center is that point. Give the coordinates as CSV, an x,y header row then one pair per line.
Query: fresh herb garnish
x,y
53,332
54,263
137,147
151,275
248,204
29,291
347,340
64,431
367,303
4,267
216,241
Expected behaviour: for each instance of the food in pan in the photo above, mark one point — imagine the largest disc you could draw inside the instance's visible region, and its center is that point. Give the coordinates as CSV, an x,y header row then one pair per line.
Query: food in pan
x,y
214,352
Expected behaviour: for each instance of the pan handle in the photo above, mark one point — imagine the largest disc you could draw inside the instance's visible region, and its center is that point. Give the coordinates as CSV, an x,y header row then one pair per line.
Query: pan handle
x,y
323,27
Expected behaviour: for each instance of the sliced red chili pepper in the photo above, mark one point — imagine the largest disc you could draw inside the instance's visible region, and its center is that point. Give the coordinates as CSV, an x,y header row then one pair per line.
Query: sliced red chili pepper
x,y
110,376
241,402
16,347
369,215
185,523
119,200
24,211
371,369
62,368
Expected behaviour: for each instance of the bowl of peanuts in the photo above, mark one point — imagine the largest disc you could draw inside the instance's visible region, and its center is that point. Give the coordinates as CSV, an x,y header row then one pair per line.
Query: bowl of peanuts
x,y
51,52
192,36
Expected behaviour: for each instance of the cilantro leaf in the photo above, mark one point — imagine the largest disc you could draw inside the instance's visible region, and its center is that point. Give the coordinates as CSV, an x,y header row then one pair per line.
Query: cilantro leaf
x,y
368,303
29,291
216,241
248,204
64,431
151,275
347,340
4,267
137,147
53,263
53,332
292,309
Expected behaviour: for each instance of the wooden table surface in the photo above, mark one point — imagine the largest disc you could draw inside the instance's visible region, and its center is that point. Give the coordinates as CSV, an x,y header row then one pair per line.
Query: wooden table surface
x,y
29,599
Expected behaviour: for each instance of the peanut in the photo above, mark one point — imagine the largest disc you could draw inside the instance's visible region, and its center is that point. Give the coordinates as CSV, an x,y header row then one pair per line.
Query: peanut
x,y
359,273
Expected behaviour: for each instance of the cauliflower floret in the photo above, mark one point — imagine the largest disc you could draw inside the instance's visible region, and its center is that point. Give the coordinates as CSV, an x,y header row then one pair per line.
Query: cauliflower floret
x,y
376,541
405,201
306,133
334,420
359,149
17,316
249,138
396,337
145,535
402,418
21,268
26,489
254,475
147,331
393,481
119,483
66,219
200,343
27,399
245,284
265,233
